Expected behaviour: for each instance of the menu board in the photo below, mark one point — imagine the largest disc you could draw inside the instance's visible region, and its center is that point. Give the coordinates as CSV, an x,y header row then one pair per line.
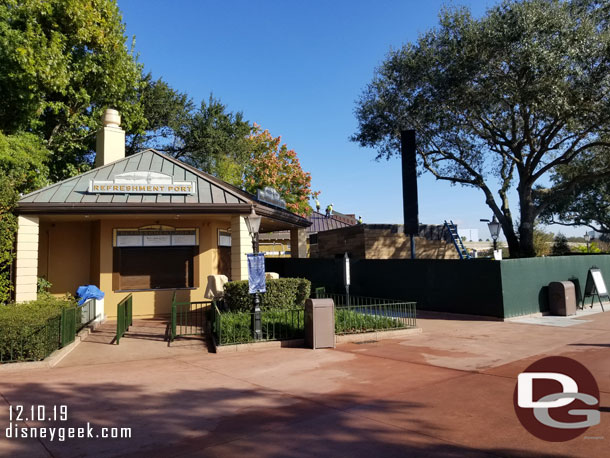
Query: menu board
x,y
600,284
145,238
129,240
184,240
157,240
595,283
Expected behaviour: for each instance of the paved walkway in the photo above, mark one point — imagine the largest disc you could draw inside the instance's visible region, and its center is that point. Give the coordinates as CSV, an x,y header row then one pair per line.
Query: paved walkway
x,y
447,392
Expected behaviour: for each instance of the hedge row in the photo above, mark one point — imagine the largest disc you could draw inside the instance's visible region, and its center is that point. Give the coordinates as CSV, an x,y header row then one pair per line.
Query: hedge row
x,y
281,293
30,331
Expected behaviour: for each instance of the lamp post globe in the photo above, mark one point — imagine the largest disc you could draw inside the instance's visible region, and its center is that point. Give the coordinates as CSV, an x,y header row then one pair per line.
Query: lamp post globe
x,y
253,223
494,230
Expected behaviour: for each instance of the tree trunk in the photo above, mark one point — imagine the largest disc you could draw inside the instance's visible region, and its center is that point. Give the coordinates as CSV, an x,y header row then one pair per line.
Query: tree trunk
x,y
514,248
526,225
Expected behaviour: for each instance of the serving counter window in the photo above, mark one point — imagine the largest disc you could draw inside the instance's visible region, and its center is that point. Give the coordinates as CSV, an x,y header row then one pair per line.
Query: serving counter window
x,y
159,258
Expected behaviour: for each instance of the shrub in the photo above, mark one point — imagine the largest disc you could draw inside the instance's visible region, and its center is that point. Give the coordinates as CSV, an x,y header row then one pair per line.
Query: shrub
x,y
276,324
560,246
30,331
352,322
281,293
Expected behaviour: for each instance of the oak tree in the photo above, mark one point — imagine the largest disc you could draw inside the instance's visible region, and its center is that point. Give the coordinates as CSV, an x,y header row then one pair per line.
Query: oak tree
x,y
500,103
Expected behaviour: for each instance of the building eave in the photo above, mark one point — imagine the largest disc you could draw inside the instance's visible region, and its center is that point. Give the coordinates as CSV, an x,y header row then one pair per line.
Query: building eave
x,y
30,208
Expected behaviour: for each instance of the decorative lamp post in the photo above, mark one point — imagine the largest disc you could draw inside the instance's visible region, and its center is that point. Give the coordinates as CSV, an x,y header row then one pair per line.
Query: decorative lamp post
x,y
494,229
587,240
253,223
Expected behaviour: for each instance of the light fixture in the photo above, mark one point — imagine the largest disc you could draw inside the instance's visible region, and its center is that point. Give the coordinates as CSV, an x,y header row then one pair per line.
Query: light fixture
x,y
253,222
494,229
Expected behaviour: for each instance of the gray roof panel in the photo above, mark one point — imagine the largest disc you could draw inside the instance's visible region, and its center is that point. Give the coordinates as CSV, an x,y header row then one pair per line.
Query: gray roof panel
x,y
209,190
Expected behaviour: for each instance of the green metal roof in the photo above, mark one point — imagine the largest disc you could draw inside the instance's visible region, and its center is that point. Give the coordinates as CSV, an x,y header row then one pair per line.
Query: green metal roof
x,y
208,189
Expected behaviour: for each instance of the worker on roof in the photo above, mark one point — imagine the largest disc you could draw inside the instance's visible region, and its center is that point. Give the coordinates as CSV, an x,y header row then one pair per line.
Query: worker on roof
x,y
360,220
329,210
317,205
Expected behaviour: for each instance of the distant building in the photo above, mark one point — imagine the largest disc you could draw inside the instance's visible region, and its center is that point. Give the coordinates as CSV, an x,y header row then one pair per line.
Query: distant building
x,y
277,244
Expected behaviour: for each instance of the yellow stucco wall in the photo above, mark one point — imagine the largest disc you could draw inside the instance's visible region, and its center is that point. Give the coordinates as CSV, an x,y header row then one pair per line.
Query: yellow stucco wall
x,y
80,253
64,255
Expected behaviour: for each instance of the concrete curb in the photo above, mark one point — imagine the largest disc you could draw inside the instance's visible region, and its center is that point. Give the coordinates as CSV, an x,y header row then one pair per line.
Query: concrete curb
x,y
259,346
339,339
54,358
377,335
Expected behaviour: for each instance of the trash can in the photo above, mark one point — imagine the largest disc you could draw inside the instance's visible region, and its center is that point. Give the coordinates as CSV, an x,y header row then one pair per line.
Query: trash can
x,y
562,298
320,323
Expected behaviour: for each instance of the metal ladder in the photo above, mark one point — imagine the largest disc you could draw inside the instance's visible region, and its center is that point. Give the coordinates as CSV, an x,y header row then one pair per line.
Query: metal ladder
x,y
457,240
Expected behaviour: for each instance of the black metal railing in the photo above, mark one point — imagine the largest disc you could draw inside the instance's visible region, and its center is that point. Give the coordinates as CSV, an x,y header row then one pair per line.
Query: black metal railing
x,y
356,314
188,318
231,328
124,317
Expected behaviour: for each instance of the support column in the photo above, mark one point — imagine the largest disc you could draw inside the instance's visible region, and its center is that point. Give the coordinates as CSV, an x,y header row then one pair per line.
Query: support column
x,y
26,274
241,244
298,243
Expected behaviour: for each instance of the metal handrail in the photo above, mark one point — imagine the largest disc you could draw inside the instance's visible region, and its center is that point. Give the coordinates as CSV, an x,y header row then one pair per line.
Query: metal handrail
x,y
124,316
187,318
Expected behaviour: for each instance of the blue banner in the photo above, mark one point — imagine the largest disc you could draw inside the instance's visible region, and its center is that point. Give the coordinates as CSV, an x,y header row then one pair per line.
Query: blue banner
x,y
256,273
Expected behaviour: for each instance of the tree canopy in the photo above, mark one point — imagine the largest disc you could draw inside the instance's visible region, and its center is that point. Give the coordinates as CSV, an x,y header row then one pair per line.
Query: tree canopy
x,y
22,169
166,110
272,164
61,64
588,203
500,103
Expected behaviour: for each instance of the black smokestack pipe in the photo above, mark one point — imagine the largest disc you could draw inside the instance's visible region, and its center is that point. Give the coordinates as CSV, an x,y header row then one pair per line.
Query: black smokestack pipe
x,y
409,185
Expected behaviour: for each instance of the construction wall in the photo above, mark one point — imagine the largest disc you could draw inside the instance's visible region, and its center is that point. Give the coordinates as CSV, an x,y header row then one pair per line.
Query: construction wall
x,y
525,281
502,289
444,285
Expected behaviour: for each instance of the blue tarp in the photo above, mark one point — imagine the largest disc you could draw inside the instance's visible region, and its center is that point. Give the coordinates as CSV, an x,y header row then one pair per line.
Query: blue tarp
x,y
256,273
88,292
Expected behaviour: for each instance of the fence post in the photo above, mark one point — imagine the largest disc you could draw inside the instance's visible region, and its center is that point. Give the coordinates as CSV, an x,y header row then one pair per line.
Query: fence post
x,y
67,326
129,313
173,336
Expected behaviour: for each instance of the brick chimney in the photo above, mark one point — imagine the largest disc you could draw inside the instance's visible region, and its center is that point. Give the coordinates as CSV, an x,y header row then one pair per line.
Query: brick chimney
x,y
110,144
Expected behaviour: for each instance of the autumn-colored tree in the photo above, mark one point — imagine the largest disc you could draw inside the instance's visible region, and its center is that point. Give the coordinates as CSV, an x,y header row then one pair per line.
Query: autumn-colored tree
x,y
277,166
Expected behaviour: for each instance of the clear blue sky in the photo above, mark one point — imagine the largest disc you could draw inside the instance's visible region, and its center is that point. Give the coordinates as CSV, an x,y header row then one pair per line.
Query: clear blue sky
x,y
297,68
